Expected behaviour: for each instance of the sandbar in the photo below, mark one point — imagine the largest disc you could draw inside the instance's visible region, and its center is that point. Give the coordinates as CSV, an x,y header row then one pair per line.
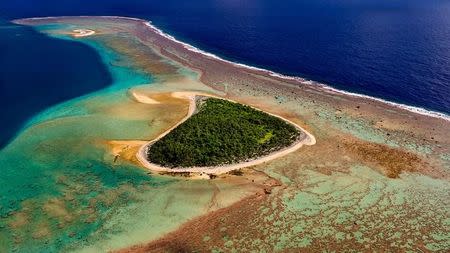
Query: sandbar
x,y
78,33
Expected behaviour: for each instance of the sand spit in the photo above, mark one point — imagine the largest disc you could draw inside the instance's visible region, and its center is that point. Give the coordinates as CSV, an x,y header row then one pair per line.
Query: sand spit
x,y
78,33
307,139
141,98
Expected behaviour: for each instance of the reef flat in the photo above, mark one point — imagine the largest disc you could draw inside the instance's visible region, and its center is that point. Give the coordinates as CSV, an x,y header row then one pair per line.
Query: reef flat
x,y
378,178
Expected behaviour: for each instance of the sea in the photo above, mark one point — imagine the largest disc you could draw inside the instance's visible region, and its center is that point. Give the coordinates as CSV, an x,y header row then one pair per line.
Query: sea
x,y
395,50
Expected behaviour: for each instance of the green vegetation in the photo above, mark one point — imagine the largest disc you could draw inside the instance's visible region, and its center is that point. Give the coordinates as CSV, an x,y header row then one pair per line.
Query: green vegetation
x,y
222,132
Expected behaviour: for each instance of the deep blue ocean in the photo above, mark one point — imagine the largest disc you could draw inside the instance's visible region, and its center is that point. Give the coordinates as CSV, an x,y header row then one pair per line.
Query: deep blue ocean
x,y
398,50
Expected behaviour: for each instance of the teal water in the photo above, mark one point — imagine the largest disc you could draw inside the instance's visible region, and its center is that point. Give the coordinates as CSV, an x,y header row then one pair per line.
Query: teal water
x,y
59,185
123,75
62,189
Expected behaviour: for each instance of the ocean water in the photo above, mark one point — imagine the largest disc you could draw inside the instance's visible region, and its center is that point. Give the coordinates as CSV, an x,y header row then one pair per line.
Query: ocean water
x,y
33,66
394,50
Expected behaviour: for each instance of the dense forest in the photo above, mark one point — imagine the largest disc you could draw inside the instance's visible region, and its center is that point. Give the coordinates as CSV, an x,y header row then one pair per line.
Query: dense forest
x,y
222,132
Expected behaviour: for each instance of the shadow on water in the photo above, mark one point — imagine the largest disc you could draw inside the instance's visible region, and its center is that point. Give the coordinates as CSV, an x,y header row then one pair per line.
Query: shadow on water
x,y
38,71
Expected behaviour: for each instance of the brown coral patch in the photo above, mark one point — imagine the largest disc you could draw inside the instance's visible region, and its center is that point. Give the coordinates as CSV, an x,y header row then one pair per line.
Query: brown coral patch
x,y
205,232
43,230
199,234
392,161
57,208
19,220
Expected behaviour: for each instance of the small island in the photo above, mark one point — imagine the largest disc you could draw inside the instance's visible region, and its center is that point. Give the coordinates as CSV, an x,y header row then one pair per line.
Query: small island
x,y
220,133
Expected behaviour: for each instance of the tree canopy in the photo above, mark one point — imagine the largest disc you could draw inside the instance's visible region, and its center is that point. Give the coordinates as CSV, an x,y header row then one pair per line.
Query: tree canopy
x,y
222,132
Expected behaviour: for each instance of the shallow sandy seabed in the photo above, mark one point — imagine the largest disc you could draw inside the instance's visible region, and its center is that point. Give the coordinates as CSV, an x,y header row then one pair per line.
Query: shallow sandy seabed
x,y
376,180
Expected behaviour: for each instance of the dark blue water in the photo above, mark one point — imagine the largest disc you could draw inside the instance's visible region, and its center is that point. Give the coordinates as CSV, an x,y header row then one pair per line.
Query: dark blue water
x,y
398,50
37,72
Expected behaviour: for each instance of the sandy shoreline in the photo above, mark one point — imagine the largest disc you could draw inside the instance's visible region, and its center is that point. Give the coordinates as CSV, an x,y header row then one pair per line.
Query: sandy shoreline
x,y
308,139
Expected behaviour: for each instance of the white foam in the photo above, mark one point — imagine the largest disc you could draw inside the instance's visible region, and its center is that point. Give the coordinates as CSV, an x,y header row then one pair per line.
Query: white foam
x,y
328,88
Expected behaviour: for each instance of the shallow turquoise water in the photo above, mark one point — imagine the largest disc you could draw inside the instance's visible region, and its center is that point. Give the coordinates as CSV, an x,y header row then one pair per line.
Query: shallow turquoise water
x,y
59,185
124,76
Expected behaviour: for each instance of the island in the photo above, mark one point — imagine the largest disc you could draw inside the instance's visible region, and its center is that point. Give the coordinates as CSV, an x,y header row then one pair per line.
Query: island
x,y
220,135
